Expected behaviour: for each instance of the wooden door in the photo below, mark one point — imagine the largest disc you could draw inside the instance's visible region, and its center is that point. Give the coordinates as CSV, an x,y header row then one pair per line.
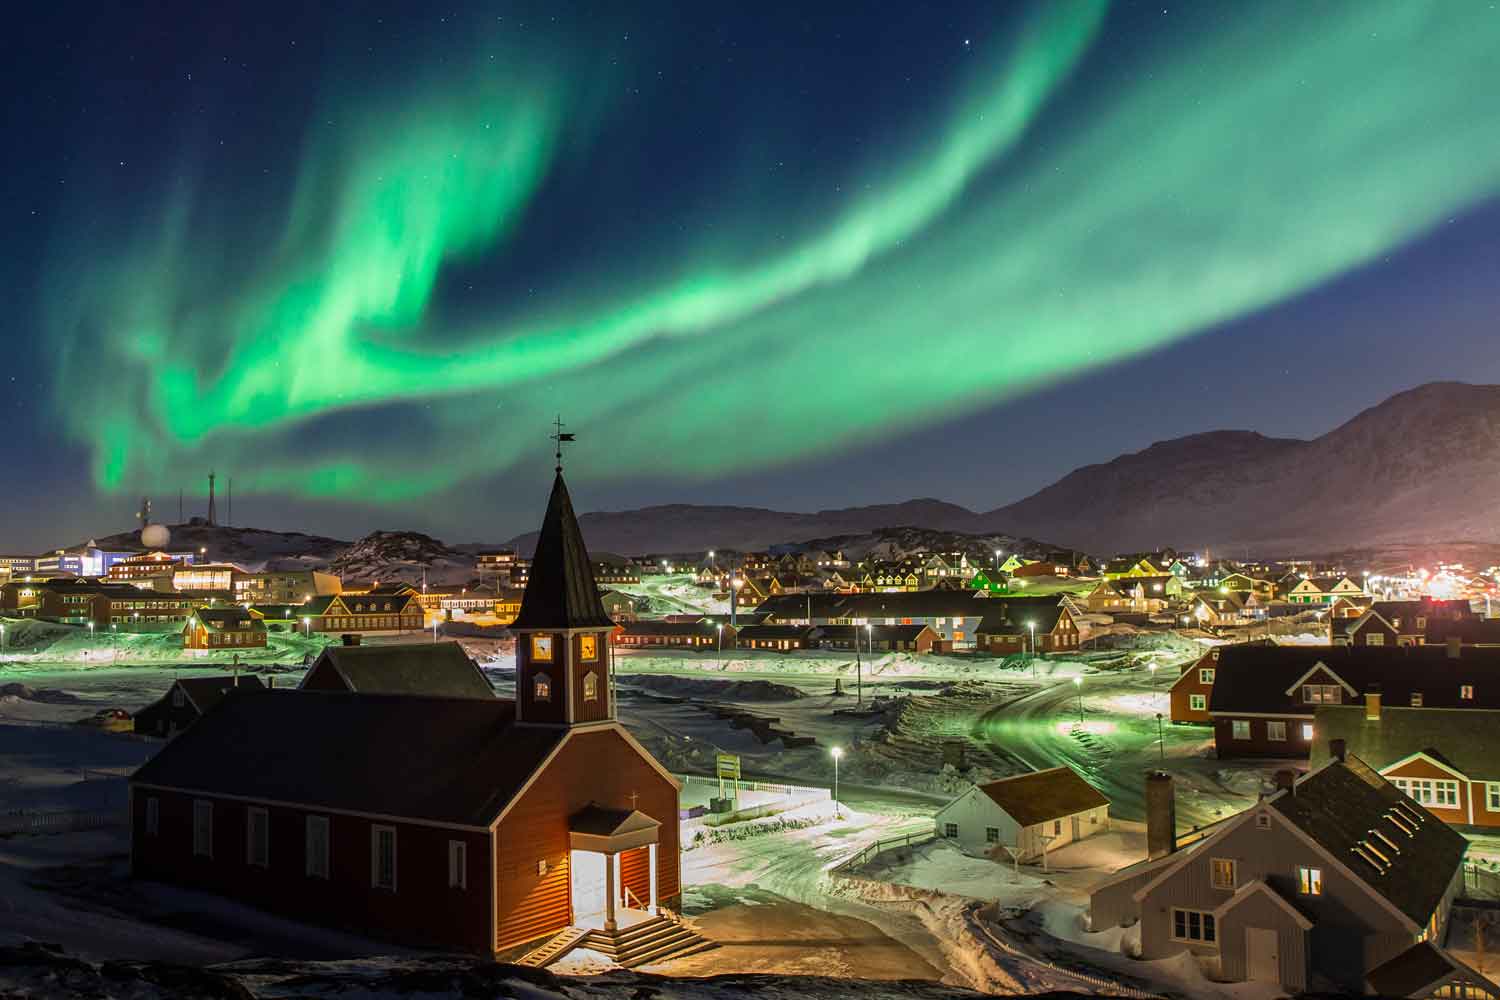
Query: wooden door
x,y
1262,958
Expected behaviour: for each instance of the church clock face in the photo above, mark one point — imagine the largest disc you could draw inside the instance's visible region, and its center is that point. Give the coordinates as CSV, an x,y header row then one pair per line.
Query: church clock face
x,y
588,647
541,647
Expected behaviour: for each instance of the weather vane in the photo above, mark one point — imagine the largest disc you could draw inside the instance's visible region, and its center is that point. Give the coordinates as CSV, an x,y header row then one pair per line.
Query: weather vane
x,y
560,437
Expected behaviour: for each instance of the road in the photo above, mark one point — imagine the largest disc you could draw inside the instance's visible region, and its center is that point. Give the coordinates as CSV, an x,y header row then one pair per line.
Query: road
x,y
1117,742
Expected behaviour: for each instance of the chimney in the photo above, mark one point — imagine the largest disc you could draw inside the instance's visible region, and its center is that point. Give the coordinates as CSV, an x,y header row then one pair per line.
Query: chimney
x,y
1161,814
1286,781
1372,703
1455,647
351,638
1337,749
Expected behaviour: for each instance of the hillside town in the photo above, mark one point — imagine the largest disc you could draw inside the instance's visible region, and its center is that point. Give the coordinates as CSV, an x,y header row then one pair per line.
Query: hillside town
x,y
514,501
1026,734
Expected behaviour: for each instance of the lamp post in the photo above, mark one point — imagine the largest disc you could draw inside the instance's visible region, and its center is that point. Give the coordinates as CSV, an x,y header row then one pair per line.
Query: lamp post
x,y
720,629
1161,745
1031,627
1078,686
2,638
306,627
1151,667
434,629
114,642
859,674
837,753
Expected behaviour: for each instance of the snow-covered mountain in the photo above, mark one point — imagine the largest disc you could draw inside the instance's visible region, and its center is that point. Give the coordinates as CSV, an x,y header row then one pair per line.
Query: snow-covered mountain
x,y
692,528
1421,467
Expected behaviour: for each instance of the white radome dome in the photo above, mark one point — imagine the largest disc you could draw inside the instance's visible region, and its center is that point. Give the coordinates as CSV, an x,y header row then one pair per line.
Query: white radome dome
x,y
155,536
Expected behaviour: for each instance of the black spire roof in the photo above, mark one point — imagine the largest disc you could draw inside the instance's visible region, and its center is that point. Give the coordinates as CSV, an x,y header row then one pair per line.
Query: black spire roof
x,y
560,591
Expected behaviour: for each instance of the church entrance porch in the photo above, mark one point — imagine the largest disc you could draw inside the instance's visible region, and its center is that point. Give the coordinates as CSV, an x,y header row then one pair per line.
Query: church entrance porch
x,y
613,867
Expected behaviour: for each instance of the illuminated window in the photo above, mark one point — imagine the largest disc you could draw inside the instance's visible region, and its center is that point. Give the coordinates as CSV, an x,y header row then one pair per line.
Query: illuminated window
x,y
588,647
1240,729
541,648
1276,731
1222,873
541,688
1310,881
1307,732
1466,692
590,686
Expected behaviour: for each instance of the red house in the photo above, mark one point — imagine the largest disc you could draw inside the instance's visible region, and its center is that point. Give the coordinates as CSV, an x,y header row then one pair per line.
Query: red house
x,y
488,825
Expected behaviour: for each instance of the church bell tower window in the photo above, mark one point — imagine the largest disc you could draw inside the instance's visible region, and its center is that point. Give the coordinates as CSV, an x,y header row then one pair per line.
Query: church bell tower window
x,y
541,648
541,687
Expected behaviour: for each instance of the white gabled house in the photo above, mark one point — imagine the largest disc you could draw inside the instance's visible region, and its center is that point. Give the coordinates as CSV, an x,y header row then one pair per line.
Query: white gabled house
x,y
1035,812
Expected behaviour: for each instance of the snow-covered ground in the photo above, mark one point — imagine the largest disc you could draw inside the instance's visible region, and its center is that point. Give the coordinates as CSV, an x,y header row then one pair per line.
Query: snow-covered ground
x,y
674,593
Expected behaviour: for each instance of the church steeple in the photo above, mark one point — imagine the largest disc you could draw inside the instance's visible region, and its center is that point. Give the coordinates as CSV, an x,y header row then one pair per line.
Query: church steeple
x,y
562,631
560,590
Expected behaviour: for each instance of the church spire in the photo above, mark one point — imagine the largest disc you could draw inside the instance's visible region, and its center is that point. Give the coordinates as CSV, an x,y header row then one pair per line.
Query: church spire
x,y
560,590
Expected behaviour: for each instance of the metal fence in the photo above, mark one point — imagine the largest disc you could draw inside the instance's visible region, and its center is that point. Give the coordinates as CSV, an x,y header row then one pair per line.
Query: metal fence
x,y
59,821
1481,882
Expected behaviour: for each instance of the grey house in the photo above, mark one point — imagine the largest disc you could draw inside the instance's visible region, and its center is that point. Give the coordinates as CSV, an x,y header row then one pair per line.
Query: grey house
x,y
1336,881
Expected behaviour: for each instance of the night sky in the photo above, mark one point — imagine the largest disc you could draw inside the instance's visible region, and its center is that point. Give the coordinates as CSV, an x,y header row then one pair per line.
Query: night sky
x,y
356,257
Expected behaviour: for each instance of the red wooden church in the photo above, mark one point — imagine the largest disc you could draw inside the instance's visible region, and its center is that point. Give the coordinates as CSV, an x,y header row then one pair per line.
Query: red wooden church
x,y
497,826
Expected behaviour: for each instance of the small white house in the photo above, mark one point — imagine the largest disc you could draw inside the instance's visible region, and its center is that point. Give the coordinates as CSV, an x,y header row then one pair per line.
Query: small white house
x,y
1024,812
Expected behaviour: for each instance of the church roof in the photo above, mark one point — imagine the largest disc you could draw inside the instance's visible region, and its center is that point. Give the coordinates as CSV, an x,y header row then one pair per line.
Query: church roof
x,y
440,669
448,760
560,590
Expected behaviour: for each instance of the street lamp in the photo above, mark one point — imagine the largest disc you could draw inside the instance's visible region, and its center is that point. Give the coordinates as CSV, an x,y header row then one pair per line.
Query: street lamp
x,y
1031,627
720,629
434,629
306,627
837,752
1152,668
859,674
1078,686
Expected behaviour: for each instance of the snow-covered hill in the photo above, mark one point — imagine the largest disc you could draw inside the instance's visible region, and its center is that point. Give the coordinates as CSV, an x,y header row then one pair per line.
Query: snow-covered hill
x,y
405,556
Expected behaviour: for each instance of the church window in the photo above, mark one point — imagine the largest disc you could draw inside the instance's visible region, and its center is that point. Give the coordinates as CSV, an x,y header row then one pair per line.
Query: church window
x,y
590,686
541,688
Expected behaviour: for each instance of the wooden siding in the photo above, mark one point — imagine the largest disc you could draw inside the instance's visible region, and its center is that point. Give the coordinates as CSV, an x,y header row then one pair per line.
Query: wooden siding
x,y
598,709
635,874
1353,932
528,708
1259,744
1259,911
1454,816
1188,684
533,904
421,910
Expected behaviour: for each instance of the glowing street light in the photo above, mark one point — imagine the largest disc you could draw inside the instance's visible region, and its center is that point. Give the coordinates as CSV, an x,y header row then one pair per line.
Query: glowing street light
x,y
1031,627
837,752
720,629
306,627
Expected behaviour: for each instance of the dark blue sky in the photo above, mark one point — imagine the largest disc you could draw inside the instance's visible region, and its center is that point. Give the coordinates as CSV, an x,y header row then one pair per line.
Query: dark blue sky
x,y
680,148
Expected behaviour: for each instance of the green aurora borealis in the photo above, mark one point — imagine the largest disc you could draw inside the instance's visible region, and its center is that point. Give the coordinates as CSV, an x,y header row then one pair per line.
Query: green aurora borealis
x,y
1055,211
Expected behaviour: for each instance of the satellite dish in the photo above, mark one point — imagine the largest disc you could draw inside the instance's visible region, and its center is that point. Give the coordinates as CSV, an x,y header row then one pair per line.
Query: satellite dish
x,y
155,536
